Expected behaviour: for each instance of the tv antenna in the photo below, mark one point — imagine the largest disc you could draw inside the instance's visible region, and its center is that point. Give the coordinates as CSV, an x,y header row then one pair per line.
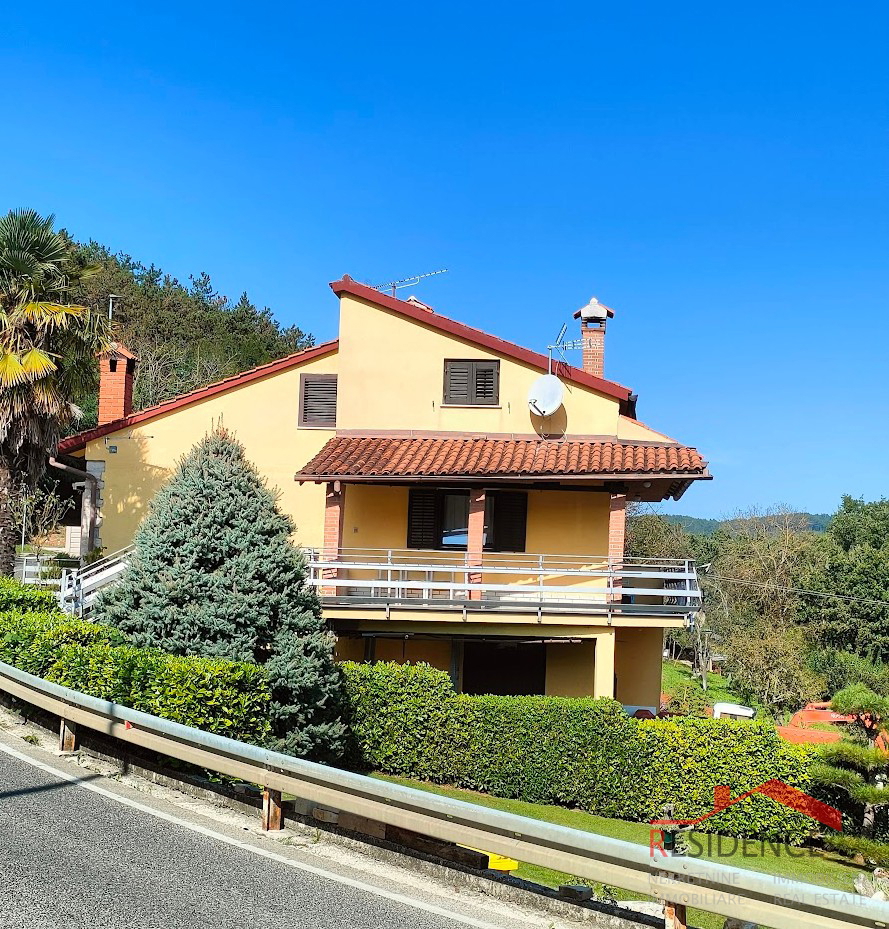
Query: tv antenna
x,y
111,299
395,286
561,346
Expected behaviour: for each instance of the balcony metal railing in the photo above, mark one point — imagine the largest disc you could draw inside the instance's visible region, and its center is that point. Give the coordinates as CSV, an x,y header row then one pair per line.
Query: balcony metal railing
x,y
403,578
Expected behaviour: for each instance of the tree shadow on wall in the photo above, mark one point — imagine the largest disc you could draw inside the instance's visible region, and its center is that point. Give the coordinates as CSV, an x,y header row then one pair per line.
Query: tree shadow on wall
x,y
130,482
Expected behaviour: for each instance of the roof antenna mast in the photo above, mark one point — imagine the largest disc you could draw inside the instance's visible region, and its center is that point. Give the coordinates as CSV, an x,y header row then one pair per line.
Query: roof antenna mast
x,y
561,345
394,286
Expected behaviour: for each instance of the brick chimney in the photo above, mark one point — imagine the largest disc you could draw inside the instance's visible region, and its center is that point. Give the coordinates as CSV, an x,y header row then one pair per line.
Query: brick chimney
x,y
117,370
593,319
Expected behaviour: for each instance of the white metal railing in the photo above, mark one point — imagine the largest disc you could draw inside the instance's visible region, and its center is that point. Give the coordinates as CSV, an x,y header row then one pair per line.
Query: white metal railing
x,y
38,569
515,582
81,587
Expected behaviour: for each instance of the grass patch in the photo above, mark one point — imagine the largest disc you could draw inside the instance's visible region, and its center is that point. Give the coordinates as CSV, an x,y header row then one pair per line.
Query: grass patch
x,y
800,864
675,675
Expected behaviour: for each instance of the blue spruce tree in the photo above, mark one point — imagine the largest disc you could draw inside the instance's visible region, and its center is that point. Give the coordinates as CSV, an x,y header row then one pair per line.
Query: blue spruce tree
x,y
214,573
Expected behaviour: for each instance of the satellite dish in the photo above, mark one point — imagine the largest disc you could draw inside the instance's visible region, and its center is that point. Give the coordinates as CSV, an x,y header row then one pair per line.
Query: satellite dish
x,y
545,395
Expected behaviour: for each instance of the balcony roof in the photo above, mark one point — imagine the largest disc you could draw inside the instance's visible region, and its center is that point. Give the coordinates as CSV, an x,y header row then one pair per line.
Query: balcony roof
x,y
464,459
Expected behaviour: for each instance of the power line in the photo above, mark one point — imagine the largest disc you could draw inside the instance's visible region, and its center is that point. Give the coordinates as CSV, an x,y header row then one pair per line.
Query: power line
x,y
798,590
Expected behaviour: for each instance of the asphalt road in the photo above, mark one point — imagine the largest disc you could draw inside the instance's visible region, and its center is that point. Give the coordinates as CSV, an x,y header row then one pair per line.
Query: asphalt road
x,y
71,858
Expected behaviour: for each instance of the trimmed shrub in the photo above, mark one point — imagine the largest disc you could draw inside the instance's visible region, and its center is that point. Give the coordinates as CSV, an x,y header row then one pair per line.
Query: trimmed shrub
x,y
563,750
578,752
398,717
684,759
14,595
30,641
227,697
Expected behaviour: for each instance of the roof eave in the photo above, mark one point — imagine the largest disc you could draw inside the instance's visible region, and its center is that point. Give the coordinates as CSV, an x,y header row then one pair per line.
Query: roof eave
x,y
80,440
604,476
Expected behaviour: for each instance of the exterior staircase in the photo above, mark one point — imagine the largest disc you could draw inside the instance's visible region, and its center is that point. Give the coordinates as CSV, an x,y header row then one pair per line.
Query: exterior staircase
x,y
81,586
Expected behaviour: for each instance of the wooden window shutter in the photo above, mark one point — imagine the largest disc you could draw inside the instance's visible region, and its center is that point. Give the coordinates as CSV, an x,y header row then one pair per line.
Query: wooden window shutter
x,y
487,382
472,383
422,518
510,521
457,388
317,402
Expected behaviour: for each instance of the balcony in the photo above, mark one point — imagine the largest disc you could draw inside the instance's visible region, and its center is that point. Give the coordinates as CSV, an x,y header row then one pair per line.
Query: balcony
x,y
534,585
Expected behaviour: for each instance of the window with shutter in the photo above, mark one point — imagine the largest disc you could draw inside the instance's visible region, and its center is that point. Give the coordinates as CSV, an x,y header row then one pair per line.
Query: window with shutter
x,y
510,518
317,400
422,518
438,518
472,383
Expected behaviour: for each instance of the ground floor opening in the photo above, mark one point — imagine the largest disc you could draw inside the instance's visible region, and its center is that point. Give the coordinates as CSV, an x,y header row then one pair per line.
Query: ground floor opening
x,y
622,663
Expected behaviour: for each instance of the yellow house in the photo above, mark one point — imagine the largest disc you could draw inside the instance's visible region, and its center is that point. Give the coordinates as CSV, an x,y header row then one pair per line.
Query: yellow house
x,y
461,498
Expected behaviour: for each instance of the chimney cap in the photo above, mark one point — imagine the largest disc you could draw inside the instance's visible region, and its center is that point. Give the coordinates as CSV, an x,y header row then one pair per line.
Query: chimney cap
x,y
119,350
594,310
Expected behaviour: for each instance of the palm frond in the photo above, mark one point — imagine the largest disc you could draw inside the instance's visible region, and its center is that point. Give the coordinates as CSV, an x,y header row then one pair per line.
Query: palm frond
x,y
43,313
12,371
38,363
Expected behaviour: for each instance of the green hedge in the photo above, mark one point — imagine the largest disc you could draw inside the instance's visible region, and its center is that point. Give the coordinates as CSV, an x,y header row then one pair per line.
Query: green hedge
x,y
23,597
586,753
227,697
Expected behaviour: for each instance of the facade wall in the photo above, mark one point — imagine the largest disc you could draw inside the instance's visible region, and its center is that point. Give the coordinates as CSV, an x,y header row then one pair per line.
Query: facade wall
x,y
375,517
559,522
263,415
571,669
435,652
638,659
564,522
396,376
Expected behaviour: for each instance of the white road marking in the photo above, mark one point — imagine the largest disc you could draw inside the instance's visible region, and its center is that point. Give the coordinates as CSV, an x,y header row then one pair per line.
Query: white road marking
x,y
252,849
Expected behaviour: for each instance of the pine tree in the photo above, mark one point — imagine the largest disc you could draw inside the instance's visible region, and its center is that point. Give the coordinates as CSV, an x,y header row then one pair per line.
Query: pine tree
x,y
859,767
214,573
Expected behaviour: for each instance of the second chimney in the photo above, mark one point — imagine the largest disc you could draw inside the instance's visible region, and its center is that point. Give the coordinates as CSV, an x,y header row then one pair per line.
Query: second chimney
x,y
117,371
593,320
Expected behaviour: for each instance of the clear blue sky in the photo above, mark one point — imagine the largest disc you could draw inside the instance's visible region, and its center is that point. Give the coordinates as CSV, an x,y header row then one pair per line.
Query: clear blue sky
x,y
716,173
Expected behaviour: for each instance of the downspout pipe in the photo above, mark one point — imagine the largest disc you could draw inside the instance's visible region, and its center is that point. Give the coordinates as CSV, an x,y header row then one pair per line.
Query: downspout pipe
x,y
89,504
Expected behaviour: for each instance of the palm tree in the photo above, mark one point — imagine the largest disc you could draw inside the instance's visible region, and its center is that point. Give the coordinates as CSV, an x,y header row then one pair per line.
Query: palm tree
x,y
48,354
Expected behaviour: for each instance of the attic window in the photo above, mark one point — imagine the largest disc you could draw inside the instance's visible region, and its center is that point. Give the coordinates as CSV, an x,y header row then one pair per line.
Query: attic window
x,y
472,383
317,400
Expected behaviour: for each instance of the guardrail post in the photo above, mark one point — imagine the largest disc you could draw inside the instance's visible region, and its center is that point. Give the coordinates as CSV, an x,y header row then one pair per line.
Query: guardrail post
x,y
272,810
68,741
675,914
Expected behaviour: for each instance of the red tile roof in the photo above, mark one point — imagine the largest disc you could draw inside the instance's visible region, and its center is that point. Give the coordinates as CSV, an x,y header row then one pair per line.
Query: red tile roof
x,y
476,336
417,458
75,443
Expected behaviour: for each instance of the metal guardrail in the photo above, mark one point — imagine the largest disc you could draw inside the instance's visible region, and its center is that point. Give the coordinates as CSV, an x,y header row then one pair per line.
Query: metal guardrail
x,y
717,888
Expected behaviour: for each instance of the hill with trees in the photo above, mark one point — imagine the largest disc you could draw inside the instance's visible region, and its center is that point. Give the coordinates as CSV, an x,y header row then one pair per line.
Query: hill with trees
x,y
186,335
816,522
797,614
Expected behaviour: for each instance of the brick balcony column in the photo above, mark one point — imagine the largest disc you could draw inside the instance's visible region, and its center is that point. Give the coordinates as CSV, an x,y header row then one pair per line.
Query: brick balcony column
x,y
475,542
334,508
617,534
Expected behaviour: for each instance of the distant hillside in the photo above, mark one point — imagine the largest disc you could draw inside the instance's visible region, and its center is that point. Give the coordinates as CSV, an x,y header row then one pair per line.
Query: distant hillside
x,y
817,522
